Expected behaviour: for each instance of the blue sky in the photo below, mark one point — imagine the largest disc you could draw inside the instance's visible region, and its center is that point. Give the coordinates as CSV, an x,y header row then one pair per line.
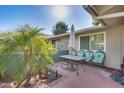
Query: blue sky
x,y
43,16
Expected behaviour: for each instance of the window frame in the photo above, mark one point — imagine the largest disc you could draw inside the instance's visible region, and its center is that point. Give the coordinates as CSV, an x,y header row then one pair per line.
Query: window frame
x,y
104,33
56,43
88,42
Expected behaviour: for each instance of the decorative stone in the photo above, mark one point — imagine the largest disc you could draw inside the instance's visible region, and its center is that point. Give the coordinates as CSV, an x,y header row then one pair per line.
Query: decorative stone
x,y
49,73
14,84
38,83
118,77
23,83
32,80
43,86
44,81
6,85
37,78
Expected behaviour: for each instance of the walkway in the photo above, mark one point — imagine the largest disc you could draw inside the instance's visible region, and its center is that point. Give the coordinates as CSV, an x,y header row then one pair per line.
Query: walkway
x,y
94,77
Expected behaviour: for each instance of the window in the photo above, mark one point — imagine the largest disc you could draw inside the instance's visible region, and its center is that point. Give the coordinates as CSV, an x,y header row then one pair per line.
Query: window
x,y
84,42
97,42
55,43
60,44
92,42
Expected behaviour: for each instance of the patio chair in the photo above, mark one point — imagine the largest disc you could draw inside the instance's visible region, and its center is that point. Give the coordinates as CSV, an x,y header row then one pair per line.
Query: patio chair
x,y
99,57
80,53
88,56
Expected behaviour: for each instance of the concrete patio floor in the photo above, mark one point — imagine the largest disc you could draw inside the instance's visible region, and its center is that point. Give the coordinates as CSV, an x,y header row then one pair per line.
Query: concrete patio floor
x,y
93,77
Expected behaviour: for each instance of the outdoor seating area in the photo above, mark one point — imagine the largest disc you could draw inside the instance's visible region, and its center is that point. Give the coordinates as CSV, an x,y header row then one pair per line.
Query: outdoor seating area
x,y
79,57
97,57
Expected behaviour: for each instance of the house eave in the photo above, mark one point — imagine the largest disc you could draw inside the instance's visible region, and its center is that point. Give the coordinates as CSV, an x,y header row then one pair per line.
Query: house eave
x,y
107,15
78,32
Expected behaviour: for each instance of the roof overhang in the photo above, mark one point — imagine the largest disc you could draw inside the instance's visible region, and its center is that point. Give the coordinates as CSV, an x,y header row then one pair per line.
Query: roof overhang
x,y
107,15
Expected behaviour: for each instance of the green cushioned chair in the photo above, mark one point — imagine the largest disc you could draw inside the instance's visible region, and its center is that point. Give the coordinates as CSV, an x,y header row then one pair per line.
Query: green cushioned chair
x,y
99,57
88,56
81,53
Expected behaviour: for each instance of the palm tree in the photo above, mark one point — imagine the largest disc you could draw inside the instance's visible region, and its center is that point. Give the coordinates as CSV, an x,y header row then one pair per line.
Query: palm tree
x,y
20,42
34,52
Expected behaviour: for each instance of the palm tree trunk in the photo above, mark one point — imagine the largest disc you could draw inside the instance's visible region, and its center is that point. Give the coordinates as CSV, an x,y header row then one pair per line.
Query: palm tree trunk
x,y
40,73
27,69
26,62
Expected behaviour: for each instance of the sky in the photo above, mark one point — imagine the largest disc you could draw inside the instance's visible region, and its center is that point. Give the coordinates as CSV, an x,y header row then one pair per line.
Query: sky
x,y
43,16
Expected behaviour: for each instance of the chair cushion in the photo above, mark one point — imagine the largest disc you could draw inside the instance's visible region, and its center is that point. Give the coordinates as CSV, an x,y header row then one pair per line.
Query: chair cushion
x,y
88,55
80,53
99,57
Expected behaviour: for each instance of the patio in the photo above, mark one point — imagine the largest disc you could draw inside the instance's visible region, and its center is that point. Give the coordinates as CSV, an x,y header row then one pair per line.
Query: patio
x,y
94,77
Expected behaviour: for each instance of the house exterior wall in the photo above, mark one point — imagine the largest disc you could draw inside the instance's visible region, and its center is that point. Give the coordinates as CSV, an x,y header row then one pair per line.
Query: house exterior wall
x,y
62,44
122,42
114,44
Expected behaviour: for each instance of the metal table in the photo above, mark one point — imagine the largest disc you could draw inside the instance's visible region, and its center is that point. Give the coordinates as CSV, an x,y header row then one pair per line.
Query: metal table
x,y
74,60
